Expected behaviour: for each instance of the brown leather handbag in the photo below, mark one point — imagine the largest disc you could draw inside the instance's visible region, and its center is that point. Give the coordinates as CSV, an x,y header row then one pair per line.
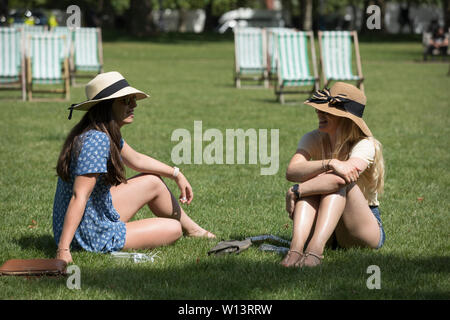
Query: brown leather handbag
x,y
33,267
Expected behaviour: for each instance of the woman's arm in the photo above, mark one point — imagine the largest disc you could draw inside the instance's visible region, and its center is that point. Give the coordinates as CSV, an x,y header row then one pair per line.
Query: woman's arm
x,y
341,174
145,164
82,189
300,169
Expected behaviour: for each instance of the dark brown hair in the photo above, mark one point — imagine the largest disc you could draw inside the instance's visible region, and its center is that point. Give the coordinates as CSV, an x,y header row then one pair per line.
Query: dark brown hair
x,y
99,117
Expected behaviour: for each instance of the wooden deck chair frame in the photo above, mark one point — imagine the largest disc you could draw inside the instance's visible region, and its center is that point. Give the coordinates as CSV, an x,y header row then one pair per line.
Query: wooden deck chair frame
x,y
65,78
73,70
360,80
21,83
238,76
281,90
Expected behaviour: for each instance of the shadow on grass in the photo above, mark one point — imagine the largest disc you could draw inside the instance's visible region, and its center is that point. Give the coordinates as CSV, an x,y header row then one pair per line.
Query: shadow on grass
x,y
238,277
257,275
44,243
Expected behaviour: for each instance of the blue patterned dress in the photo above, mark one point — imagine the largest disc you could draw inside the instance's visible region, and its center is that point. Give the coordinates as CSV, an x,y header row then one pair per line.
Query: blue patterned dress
x,y
100,229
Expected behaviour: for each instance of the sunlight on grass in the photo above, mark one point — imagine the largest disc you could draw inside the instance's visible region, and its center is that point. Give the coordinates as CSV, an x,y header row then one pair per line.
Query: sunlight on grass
x,y
407,109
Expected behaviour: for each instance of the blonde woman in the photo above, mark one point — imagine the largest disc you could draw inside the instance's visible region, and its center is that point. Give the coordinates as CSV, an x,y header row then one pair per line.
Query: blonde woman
x,y
339,170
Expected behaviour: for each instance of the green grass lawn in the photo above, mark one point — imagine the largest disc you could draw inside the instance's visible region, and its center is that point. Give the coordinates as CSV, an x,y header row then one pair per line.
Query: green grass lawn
x,y
189,80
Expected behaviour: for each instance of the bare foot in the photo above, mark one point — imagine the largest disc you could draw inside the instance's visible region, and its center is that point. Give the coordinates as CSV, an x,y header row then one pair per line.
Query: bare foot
x,y
292,259
201,233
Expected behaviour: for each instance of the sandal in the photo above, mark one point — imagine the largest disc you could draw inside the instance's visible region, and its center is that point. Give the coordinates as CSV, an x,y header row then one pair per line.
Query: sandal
x,y
296,262
318,259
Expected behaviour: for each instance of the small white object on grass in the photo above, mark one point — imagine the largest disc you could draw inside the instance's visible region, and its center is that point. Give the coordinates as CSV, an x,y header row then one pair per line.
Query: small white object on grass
x,y
137,257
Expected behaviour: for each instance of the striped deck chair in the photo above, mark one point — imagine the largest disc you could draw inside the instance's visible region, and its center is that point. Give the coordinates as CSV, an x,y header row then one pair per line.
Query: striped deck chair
x,y
271,42
87,52
12,63
336,57
30,28
69,37
293,63
46,64
249,55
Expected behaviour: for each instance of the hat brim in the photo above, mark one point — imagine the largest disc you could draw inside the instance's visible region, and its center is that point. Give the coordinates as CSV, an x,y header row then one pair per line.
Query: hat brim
x,y
341,113
86,105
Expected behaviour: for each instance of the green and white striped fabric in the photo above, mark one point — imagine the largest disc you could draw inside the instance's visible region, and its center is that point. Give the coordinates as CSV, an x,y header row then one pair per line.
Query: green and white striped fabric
x,y
29,28
10,55
337,55
46,62
68,35
86,49
249,50
271,45
292,59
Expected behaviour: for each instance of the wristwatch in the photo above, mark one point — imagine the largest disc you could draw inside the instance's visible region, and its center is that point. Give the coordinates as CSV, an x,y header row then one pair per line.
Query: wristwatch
x,y
295,191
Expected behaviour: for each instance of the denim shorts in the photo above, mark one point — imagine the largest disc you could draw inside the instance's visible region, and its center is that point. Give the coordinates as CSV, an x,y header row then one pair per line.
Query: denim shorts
x,y
376,212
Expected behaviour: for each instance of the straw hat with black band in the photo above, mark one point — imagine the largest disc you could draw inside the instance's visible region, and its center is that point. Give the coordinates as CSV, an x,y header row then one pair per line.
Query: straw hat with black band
x,y
105,86
342,100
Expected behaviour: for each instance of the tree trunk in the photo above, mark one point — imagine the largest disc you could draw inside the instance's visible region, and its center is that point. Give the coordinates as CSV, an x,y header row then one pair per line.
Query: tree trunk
x,y
182,14
209,21
307,14
446,12
382,5
139,17
364,17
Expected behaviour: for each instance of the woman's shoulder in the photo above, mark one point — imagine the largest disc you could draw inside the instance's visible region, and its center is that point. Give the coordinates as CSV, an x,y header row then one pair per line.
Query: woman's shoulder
x,y
366,142
364,148
94,136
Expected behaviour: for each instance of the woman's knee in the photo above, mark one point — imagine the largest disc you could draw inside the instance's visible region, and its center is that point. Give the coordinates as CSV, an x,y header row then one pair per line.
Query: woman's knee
x,y
152,182
308,201
174,229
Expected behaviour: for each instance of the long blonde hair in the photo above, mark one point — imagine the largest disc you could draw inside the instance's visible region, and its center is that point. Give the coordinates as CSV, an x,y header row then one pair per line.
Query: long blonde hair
x,y
347,135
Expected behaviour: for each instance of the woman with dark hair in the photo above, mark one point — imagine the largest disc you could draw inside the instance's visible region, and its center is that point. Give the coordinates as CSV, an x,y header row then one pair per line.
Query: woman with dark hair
x,y
94,201
339,170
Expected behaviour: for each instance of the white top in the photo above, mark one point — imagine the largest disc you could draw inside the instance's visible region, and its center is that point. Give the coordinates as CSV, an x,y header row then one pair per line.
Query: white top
x,y
363,149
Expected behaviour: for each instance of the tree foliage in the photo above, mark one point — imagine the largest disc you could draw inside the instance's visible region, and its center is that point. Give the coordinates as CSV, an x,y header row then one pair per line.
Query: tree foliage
x,y
306,12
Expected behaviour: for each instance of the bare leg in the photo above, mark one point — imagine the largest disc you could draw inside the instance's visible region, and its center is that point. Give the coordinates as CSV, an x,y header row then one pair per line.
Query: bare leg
x,y
303,220
330,210
151,190
152,233
358,226
347,213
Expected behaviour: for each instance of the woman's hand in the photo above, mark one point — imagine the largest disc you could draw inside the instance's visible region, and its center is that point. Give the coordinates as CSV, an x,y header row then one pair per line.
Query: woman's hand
x,y
349,172
64,254
187,194
290,202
